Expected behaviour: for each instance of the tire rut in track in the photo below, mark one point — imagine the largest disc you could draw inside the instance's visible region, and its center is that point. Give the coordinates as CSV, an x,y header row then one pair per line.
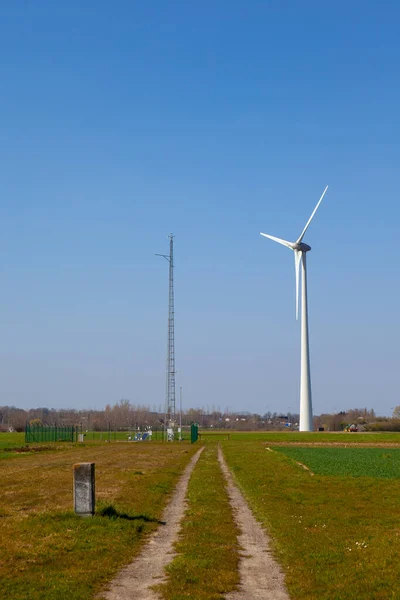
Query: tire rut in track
x,y
261,577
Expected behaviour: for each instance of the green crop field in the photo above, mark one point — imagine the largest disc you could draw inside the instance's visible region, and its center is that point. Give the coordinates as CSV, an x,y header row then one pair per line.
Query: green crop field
x,y
347,462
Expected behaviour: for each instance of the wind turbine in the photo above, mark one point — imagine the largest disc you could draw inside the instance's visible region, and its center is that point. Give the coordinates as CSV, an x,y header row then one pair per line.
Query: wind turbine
x,y
300,250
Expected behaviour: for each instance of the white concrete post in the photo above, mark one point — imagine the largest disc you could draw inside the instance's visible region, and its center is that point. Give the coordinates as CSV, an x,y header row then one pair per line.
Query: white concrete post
x,y
84,493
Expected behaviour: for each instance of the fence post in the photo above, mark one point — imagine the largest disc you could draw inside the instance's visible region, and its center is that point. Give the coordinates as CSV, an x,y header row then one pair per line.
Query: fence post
x,y
84,490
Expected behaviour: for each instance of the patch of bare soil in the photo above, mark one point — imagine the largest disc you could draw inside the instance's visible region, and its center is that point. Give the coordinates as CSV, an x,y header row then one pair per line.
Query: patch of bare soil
x,y
135,580
303,466
261,578
338,444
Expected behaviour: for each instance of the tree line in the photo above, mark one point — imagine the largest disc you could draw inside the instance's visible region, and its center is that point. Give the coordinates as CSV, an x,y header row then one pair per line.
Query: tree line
x,y
128,416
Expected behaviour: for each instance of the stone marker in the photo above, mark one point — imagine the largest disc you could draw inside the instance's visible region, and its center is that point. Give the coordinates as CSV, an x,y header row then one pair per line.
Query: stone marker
x,y
84,499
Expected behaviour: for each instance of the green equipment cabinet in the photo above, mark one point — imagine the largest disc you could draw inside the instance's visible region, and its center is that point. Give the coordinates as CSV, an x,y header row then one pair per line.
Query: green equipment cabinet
x,y
194,433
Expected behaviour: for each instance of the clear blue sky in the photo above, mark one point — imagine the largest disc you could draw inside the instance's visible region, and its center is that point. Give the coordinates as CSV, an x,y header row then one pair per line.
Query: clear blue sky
x,y
214,120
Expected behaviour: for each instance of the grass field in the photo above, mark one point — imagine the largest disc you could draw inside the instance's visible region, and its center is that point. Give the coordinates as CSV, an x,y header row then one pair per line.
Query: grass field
x,y
17,440
336,536
336,532
10,440
46,552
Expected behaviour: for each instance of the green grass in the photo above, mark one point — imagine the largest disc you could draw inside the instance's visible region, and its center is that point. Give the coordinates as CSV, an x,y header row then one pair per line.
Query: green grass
x,y
9,440
17,440
59,555
46,551
13,444
207,561
336,533
292,437
348,462
336,537
120,436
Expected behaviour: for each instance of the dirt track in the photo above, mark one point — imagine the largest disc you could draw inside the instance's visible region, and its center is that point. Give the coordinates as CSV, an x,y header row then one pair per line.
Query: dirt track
x,y
336,444
135,580
260,576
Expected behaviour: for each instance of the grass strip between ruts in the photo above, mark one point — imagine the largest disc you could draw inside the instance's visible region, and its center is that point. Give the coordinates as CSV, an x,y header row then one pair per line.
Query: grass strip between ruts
x,y
206,567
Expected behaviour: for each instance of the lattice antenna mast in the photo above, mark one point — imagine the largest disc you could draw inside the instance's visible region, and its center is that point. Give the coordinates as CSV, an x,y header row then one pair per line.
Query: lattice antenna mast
x,y
170,375
171,337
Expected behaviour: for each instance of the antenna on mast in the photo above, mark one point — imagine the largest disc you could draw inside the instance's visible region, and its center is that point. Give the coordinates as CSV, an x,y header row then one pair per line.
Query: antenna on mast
x,y
170,370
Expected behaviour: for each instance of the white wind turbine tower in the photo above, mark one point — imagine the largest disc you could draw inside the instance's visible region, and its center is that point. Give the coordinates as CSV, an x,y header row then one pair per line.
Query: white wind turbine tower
x,y
300,249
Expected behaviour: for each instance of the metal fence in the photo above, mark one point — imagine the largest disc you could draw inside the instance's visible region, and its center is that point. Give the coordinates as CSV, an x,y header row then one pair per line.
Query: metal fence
x,y
40,433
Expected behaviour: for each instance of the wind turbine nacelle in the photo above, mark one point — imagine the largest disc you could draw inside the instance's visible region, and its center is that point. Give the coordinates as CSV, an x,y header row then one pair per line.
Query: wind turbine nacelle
x,y
302,247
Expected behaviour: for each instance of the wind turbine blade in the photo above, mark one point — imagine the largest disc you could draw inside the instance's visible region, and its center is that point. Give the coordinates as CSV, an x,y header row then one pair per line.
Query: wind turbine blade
x,y
297,261
275,239
310,219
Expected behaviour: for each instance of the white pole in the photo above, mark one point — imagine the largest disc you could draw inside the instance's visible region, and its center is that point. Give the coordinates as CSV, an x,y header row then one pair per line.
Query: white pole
x,y
180,413
306,416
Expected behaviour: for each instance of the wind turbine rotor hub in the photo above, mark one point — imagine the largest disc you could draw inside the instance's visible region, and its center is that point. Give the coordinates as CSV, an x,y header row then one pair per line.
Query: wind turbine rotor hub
x,y
302,247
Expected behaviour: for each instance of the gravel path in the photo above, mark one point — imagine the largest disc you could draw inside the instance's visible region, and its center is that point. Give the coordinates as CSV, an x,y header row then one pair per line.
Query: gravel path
x,y
261,577
135,580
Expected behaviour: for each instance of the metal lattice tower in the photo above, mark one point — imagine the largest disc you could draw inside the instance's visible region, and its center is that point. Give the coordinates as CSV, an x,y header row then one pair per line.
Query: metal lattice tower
x,y
170,372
